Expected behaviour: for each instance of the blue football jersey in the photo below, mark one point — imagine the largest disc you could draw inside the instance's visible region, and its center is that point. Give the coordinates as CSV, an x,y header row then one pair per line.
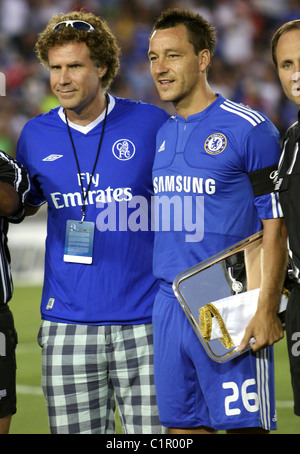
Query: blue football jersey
x,y
204,201
119,286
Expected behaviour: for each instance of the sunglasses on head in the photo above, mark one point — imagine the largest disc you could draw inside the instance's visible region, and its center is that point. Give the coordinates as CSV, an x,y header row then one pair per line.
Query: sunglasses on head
x,y
78,24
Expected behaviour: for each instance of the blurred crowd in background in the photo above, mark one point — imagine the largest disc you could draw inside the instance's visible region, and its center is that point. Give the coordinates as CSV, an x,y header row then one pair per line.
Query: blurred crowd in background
x,y
242,69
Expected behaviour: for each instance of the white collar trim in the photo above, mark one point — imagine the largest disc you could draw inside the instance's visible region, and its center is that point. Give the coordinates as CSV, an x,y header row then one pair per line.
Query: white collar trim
x,y
90,126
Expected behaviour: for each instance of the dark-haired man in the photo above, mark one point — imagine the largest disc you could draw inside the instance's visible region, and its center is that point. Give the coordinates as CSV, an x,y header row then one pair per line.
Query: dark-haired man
x,y
208,149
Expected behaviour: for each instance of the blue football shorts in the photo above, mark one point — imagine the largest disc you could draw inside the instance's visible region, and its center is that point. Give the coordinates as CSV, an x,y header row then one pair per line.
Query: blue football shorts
x,y
193,390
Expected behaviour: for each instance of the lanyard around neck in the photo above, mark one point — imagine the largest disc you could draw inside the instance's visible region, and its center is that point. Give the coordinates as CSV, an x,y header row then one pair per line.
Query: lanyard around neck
x,y
85,194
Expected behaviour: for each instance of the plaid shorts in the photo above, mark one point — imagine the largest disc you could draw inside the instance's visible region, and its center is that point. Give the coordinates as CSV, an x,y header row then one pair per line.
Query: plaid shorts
x,y
87,369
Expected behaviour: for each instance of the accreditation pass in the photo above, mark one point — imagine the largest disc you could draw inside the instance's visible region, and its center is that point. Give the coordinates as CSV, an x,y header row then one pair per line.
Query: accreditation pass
x,y
79,242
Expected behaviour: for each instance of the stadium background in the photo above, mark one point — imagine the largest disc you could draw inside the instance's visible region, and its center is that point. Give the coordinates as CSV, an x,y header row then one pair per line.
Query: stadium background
x,y
242,70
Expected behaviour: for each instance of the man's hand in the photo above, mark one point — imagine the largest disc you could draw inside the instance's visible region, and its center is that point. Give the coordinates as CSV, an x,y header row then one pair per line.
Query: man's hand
x,y
267,269
264,330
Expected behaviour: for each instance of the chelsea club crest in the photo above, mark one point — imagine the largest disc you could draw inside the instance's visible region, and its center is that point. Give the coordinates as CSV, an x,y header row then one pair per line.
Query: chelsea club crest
x,y
123,149
215,143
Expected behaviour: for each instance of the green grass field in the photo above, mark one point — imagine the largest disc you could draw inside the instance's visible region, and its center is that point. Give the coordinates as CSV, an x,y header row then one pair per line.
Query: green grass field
x,y
31,417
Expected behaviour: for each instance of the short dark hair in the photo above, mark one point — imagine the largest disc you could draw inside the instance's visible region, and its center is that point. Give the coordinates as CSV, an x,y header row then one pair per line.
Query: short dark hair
x,y
202,35
104,50
287,27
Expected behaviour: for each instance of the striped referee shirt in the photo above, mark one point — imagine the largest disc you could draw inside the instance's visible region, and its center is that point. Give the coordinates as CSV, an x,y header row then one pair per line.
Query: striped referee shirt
x,y
288,185
13,173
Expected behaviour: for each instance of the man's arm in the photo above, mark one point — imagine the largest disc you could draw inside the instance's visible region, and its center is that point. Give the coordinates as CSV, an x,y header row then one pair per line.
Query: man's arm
x,y
14,187
266,327
10,202
31,210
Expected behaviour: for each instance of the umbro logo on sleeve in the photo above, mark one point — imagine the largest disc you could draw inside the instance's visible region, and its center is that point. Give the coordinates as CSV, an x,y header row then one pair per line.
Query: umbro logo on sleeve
x,y
53,157
162,147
